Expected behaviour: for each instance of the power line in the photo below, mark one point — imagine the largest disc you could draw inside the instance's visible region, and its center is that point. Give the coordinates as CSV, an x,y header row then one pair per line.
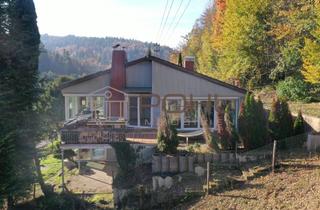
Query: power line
x,y
175,16
165,22
177,23
164,12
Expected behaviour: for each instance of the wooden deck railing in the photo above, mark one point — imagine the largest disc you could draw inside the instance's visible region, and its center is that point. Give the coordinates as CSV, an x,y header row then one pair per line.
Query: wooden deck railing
x,y
87,135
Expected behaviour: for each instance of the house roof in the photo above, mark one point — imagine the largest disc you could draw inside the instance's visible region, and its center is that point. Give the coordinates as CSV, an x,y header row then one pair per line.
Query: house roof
x,y
83,79
180,68
158,60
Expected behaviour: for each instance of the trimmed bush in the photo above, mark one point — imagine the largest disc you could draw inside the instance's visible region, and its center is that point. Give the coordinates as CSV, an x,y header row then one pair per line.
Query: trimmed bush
x,y
167,135
294,89
233,136
56,151
298,126
208,136
253,129
280,122
222,133
126,156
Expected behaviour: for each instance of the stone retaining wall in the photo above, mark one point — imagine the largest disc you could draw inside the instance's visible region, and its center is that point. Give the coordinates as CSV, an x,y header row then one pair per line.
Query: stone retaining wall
x,y
162,164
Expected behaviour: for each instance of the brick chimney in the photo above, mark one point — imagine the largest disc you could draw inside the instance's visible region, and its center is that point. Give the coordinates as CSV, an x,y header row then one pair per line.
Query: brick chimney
x,y
118,69
118,82
189,62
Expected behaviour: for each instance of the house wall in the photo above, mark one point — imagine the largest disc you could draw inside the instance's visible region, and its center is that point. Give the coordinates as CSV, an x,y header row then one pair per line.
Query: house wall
x,y
88,86
167,80
139,75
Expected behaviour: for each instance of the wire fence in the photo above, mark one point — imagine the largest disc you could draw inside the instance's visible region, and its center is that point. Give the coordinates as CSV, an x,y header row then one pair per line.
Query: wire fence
x,y
294,147
267,158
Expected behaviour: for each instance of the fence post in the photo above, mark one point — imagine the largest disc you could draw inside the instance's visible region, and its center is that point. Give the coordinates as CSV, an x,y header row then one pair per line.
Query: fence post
x,y
34,191
274,154
62,169
208,176
236,151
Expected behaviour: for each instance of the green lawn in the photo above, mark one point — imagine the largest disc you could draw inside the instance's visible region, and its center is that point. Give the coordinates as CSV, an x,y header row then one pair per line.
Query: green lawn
x,y
51,170
103,200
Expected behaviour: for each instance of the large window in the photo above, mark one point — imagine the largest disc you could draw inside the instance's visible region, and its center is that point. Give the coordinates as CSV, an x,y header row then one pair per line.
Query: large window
x,y
98,154
207,108
174,107
84,105
145,111
191,114
133,110
190,118
140,111
72,106
98,105
232,104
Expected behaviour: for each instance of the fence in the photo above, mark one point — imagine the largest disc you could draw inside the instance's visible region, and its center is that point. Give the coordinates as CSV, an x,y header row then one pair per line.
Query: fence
x,y
279,150
269,156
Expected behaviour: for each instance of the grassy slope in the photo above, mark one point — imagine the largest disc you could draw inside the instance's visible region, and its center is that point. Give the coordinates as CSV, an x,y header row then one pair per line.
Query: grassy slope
x,y
51,170
311,109
294,186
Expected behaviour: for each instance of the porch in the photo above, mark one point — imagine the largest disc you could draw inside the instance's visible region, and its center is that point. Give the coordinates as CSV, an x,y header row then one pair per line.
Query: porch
x,y
143,110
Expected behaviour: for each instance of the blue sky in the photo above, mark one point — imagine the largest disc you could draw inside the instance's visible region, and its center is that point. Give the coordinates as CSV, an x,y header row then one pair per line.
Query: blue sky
x,y
137,19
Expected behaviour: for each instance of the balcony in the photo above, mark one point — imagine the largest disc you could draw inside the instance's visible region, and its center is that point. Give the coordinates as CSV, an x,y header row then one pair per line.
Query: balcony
x,y
105,132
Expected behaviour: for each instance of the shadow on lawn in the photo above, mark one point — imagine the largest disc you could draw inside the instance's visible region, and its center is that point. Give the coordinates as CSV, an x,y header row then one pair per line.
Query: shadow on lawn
x,y
62,201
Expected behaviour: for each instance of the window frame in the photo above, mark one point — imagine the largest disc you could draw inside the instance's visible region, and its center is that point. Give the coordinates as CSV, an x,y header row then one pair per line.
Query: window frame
x,y
67,97
138,112
198,100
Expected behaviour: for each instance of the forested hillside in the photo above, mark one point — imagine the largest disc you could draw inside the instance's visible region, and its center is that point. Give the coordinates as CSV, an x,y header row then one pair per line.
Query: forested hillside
x,y
72,55
259,42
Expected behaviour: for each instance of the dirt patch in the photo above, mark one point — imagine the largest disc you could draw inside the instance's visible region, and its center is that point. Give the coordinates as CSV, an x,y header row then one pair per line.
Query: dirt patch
x,y
294,186
92,181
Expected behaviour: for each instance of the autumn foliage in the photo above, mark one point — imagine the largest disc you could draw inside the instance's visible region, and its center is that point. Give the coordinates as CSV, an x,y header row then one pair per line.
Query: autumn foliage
x,y
258,42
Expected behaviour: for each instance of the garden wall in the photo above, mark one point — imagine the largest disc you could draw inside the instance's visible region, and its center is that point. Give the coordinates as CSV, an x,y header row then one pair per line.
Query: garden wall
x,y
196,162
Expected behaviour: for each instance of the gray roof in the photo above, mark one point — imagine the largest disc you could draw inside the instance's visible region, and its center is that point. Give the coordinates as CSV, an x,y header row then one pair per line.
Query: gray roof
x,y
180,68
161,61
83,79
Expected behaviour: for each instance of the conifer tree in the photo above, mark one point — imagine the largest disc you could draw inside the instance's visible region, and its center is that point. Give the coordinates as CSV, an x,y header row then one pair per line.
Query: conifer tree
x,y
298,125
167,136
280,122
208,136
223,135
19,92
252,123
230,127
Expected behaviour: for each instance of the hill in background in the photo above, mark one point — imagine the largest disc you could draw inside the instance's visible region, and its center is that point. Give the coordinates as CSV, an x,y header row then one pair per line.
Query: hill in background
x,y
72,55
